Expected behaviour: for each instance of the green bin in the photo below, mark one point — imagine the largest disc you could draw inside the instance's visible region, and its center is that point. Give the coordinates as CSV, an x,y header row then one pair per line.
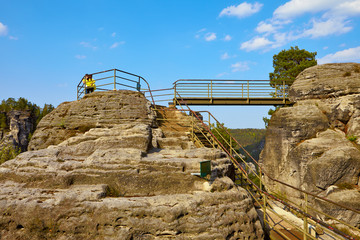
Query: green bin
x,y
205,168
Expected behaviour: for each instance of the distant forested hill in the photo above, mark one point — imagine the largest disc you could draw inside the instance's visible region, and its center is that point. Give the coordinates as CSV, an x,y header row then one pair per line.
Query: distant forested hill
x,y
252,139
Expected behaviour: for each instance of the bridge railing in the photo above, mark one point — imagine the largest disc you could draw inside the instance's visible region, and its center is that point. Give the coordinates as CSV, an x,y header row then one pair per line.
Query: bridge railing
x,y
115,79
246,89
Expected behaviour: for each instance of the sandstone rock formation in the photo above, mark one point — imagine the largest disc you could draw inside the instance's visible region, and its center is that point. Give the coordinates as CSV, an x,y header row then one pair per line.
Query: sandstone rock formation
x,y
104,168
16,139
314,145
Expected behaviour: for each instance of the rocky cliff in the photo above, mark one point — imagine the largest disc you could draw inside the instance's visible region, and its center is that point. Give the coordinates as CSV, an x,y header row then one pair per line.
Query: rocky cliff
x,y
104,168
15,139
314,145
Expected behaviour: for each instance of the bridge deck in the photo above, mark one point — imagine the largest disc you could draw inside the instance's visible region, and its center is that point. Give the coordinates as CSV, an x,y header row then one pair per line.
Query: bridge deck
x,y
232,101
229,92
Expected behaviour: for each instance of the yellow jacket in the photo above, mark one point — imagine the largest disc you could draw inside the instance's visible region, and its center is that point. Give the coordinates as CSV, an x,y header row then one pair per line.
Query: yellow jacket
x,y
90,83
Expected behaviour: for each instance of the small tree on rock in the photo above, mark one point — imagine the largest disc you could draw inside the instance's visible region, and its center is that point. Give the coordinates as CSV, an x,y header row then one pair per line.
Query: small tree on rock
x,y
289,63
287,66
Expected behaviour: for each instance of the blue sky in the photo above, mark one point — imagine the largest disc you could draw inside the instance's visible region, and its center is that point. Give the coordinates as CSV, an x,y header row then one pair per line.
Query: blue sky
x,y
47,46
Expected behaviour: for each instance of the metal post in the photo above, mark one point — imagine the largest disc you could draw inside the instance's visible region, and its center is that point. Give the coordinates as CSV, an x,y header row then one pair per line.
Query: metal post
x,y
174,96
138,87
305,218
276,90
264,196
211,91
114,79
192,129
242,90
284,91
230,147
248,95
208,90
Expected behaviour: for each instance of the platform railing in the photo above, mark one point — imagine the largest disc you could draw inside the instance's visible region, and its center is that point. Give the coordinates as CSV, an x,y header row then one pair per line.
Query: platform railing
x,y
115,79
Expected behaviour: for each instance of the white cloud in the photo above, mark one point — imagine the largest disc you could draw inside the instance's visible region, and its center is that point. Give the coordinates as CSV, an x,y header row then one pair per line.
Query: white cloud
x,y
240,67
80,57
198,33
325,18
13,38
225,56
255,44
326,47
346,8
3,29
242,10
227,38
116,44
88,45
222,74
113,34
348,55
210,36
264,27
295,8
326,28
331,8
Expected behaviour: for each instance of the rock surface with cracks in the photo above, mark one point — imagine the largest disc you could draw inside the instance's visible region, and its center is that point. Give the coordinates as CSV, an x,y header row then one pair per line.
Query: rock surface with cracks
x,y
104,168
314,145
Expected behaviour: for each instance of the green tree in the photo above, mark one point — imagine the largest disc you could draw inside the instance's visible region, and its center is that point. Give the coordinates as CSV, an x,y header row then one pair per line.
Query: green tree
x,y
287,66
289,63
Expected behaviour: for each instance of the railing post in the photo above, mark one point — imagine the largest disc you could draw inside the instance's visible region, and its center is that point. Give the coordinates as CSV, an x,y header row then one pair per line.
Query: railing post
x,y
284,91
305,218
174,100
248,94
208,87
230,146
276,90
242,90
211,91
264,196
192,128
114,79
138,86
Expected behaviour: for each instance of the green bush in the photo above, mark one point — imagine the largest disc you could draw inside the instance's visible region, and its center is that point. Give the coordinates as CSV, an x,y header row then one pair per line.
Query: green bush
x,y
352,138
347,74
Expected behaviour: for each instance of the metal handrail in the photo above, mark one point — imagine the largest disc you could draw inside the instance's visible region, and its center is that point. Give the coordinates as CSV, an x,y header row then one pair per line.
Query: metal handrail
x,y
131,81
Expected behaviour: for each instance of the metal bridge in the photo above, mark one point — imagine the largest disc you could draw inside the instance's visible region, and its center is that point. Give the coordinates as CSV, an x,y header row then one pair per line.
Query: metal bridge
x,y
229,92
210,133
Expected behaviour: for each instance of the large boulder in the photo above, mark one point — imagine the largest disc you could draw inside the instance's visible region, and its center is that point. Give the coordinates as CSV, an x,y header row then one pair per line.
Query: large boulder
x,y
96,110
99,168
314,145
326,81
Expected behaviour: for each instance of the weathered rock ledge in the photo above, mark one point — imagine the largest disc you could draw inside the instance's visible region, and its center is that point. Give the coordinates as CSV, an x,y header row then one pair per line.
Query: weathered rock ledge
x,y
314,145
102,168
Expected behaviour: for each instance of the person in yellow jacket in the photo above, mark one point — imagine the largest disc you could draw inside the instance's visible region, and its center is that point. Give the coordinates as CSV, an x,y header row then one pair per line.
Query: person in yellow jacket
x,y
89,83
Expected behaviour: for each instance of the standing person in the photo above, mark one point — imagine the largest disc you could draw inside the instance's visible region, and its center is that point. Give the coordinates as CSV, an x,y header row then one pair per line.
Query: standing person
x,y
89,83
